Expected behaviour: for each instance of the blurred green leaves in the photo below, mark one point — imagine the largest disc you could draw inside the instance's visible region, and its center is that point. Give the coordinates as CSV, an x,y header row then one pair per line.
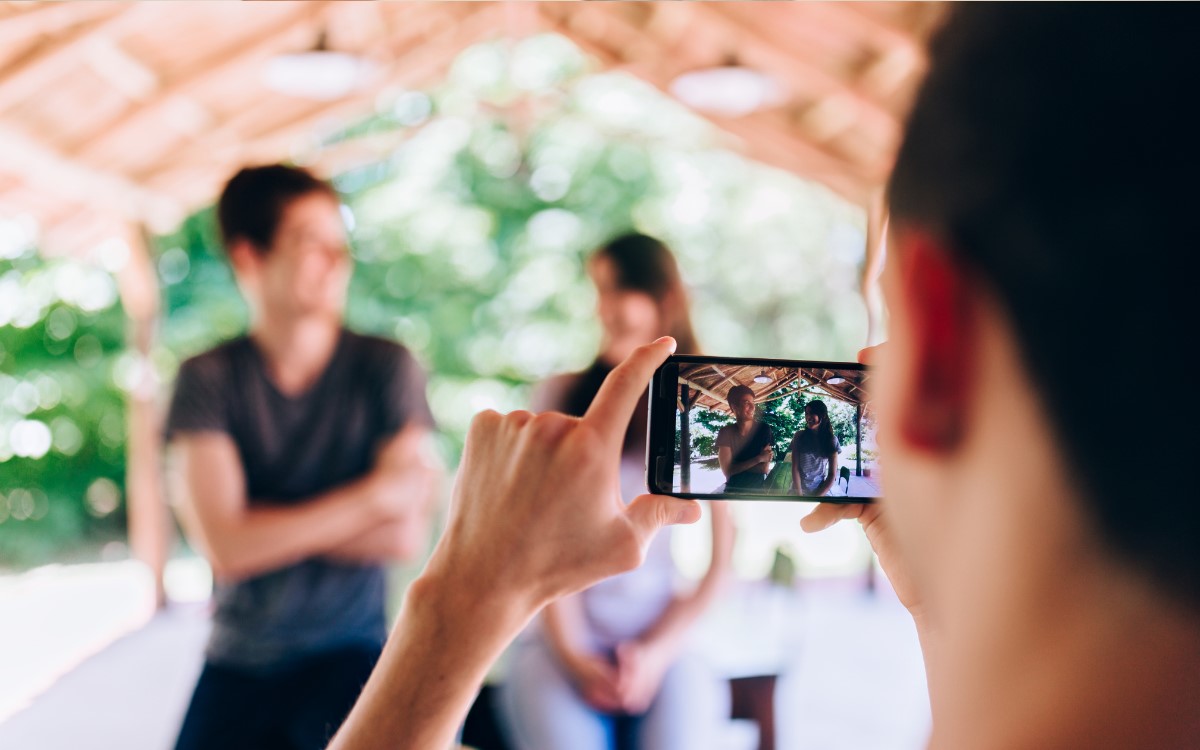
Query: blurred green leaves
x,y
62,427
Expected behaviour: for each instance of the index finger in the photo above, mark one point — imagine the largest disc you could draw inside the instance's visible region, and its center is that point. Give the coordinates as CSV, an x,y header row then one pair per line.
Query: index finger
x,y
868,355
620,392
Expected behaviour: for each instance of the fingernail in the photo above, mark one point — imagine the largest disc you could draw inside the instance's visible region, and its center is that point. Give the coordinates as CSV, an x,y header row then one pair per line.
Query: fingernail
x,y
669,340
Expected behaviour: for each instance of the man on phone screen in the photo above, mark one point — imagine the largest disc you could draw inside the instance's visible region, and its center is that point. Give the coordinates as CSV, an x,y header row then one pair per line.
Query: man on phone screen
x,y
744,447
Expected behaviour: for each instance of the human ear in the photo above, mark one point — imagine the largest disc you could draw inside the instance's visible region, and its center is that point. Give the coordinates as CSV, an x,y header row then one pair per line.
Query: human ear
x,y
938,296
243,257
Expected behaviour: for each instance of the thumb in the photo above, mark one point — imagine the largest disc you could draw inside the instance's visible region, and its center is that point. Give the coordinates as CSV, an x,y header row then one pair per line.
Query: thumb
x,y
649,513
827,514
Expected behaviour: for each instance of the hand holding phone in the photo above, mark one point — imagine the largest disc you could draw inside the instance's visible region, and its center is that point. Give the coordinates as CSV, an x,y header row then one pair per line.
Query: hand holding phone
x,y
729,428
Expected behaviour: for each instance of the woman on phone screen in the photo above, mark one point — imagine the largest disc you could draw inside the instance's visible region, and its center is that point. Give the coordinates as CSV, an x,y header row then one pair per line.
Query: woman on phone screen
x,y
814,452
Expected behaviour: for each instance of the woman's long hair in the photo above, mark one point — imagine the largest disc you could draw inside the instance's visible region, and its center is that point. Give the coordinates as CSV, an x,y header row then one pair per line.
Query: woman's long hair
x,y
644,264
641,264
824,441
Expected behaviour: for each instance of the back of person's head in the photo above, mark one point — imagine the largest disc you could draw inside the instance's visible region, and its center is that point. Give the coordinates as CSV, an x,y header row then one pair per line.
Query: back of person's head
x,y
739,392
1049,151
252,203
644,264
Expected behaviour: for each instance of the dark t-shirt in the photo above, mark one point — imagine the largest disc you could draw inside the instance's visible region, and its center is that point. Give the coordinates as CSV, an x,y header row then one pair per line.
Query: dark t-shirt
x,y
293,448
745,448
572,394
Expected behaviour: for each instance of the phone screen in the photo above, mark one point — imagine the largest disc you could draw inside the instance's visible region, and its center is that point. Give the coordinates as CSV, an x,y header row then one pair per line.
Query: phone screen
x,y
729,428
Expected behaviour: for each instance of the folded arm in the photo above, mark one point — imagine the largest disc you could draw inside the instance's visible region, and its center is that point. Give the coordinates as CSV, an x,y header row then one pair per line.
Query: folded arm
x,y
241,540
407,469
730,467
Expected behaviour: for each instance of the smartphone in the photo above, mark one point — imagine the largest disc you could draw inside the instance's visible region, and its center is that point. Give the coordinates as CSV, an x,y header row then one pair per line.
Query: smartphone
x,y
731,428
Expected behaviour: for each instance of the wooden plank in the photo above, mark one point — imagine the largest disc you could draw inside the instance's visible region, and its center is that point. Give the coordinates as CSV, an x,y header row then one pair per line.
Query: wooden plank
x,y
29,77
19,24
774,142
225,60
230,146
45,169
759,42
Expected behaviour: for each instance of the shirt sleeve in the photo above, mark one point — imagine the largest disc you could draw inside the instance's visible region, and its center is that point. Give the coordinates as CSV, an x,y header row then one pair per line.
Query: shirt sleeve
x,y
199,402
404,400
724,437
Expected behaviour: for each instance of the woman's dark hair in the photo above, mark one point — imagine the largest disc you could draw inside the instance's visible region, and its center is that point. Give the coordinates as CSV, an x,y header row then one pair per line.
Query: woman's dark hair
x,y
644,264
825,442
252,203
1047,151
641,264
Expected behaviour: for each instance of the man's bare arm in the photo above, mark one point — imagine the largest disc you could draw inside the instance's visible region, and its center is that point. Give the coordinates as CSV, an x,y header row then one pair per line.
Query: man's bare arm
x,y
240,540
730,467
408,468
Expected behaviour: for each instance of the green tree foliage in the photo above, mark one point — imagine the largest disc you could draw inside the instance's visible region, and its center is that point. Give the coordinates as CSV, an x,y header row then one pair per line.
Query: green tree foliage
x,y
62,427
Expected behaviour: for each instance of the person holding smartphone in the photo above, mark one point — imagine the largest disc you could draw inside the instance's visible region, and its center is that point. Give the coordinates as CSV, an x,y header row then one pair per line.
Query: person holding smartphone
x,y
303,467
1042,250
610,662
814,452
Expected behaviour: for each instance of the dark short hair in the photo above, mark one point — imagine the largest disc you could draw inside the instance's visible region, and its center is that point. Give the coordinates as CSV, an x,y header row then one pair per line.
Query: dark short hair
x,y
739,390
252,203
1048,151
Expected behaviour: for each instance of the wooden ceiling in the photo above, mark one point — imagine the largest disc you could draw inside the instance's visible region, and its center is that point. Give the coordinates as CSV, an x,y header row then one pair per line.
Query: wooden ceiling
x,y
134,113
711,383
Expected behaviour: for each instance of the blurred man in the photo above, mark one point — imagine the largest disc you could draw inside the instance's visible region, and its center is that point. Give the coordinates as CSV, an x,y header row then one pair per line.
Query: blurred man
x,y
304,466
1043,242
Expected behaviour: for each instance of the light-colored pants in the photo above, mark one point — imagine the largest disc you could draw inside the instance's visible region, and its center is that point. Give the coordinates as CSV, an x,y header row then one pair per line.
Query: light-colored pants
x,y
541,710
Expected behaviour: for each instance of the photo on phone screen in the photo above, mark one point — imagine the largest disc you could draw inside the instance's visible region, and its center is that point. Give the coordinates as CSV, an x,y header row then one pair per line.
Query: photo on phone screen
x,y
761,429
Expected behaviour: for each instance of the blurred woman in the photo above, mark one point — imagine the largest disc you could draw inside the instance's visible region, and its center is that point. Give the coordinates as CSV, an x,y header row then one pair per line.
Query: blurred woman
x,y
814,452
608,663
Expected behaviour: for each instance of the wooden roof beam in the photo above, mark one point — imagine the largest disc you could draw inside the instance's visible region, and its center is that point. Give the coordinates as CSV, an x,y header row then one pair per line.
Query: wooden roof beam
x,y
923,17
262,134
230,147
850,18
29,77
224,61
771,146
778,58
43,168
20,23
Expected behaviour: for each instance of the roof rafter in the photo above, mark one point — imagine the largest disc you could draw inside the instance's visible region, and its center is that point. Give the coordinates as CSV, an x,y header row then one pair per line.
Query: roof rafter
x,y
805,69
221,63
760,141
20,23
29,77
43,167
232,143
